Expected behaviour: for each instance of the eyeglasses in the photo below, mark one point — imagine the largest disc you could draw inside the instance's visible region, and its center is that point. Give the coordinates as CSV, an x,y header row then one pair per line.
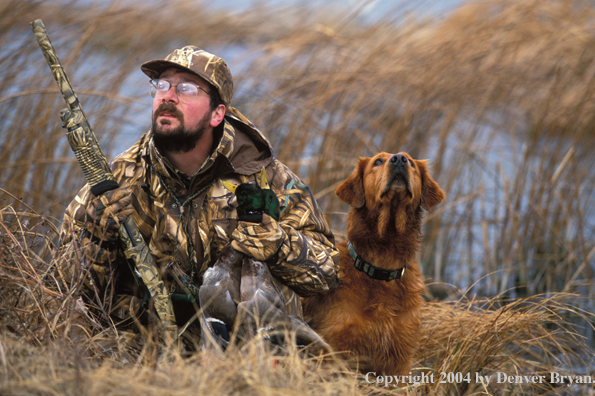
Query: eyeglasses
x,y
186,91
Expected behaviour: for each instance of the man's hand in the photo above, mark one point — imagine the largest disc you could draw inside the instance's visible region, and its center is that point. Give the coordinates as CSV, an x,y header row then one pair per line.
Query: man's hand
x,y
258,240
106,213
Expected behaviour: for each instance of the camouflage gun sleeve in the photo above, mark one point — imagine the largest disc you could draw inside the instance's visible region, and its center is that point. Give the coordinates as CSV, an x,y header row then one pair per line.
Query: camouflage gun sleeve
x,y
100,179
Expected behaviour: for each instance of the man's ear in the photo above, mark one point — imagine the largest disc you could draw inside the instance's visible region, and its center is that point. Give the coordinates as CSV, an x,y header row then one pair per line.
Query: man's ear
x,y
431,193
352,189
217,116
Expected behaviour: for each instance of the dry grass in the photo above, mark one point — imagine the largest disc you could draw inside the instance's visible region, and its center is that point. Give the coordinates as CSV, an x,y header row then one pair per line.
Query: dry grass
x,y
499,95
50,344
522,337
62,371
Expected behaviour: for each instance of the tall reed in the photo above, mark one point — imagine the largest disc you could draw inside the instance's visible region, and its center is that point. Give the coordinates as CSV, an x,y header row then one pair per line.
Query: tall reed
x,y
498,95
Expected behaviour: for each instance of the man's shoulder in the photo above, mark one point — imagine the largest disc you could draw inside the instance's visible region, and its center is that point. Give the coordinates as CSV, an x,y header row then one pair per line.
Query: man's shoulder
x,y
124,164
132,153
282,177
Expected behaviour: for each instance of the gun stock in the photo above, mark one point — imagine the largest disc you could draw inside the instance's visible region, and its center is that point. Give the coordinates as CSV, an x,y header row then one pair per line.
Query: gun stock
x,y
98,174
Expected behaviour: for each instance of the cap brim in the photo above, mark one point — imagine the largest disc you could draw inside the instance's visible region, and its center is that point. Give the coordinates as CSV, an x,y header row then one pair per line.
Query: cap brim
x,y
154,68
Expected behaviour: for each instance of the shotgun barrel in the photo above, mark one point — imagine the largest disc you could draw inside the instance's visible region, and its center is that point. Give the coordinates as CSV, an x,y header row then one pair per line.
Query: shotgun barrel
x,y
100,178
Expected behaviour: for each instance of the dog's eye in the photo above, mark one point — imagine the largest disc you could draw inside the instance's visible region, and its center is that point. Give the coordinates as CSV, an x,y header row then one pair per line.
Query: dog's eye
x,y
379,161
412,164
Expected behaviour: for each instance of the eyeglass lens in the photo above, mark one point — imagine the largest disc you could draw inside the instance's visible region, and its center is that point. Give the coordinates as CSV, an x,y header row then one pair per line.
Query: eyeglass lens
x,y
184,90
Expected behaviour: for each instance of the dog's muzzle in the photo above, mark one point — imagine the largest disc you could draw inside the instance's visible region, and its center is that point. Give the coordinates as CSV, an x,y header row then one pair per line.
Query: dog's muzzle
x,y
398,177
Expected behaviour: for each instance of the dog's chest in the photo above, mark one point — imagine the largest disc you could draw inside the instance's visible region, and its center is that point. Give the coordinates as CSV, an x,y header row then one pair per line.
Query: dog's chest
x,y
368,298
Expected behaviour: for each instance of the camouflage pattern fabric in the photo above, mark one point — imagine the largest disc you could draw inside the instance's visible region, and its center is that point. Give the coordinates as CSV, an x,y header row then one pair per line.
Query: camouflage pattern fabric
x,y
187,220
258,240
108,211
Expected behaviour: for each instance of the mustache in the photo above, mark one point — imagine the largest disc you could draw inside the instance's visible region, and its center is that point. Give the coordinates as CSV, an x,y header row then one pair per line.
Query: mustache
x,y
170,108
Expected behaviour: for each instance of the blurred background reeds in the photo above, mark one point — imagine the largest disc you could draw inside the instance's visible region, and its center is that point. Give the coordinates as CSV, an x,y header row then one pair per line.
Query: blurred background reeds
x,y
498,94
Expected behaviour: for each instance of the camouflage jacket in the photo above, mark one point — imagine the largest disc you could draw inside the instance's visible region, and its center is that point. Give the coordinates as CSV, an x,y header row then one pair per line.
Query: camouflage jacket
x,y
190,229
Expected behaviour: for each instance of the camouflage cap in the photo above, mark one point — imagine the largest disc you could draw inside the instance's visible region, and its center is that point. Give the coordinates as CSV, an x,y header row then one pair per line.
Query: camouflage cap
x,y
199,62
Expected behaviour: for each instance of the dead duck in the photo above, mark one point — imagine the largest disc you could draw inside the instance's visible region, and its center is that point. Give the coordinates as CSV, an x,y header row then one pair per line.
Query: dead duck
x,y
239,292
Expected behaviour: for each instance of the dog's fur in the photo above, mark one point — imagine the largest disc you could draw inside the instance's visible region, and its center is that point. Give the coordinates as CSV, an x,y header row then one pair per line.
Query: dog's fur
x,y
378,321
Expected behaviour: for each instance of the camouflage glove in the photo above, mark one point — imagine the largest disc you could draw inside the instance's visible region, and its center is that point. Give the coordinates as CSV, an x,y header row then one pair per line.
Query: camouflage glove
x,y
106,212
258,240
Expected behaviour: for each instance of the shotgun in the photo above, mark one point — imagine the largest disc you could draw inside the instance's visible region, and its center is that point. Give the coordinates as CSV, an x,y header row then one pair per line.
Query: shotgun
x,y
98,174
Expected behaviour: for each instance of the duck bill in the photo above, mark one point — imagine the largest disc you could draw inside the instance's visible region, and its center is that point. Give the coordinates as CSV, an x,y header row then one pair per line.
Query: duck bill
x,y
230,186
264,184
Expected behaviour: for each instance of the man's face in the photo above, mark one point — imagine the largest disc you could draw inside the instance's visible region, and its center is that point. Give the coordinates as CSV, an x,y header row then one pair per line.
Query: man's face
x,y
178,126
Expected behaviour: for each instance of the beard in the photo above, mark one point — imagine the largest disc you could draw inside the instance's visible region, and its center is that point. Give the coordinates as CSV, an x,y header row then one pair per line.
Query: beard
x,y
181,139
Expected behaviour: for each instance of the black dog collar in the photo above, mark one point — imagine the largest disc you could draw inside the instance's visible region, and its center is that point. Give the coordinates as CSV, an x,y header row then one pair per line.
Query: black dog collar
x,y
372,271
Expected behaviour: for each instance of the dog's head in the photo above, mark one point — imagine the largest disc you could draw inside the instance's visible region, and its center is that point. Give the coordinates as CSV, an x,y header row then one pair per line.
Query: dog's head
x,y
389,180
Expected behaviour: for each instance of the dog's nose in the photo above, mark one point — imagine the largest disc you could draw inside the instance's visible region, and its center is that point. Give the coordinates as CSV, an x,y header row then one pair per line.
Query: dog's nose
x,y
398,160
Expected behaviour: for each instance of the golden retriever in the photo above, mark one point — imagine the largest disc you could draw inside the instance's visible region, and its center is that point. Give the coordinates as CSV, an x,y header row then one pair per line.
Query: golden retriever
x,y
375,311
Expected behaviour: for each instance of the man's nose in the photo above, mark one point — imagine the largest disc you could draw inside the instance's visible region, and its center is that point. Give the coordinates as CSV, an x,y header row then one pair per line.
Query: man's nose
x,y
171,95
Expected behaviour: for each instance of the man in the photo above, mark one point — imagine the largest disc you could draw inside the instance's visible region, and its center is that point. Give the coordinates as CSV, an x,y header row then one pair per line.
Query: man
x,y
171,183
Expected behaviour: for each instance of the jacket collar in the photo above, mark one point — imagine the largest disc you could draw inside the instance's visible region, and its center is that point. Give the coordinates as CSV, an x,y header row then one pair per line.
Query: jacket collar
x,y
252,151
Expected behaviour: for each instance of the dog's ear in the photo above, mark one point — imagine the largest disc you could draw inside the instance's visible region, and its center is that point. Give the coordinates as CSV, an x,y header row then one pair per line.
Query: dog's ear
x,y
431,193
352,189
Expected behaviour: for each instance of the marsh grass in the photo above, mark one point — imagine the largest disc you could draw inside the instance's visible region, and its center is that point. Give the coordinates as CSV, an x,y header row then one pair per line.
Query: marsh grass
x,y
50,343
498,94
521,337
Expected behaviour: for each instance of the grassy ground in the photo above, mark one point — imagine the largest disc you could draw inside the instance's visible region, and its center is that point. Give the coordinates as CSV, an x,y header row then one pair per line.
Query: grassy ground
x,y
499,95
50,344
